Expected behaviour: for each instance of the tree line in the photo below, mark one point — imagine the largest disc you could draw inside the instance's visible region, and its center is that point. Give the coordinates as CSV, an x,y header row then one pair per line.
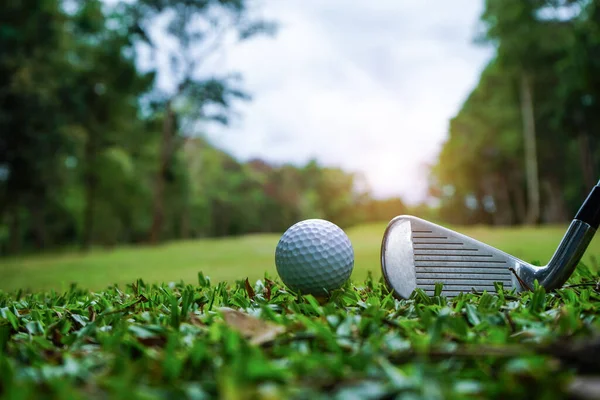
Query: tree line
x,y
94,152
525,146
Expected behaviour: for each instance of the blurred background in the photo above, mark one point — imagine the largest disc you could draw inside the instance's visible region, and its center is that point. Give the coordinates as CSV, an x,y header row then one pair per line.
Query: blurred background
x,y
145,121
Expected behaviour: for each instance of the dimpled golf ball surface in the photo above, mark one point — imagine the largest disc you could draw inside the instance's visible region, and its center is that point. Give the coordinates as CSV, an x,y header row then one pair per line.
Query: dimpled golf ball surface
x,y
314,256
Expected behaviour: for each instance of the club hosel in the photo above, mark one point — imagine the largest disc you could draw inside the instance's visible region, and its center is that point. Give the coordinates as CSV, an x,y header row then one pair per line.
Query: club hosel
x,y
572,246
565,259
589,212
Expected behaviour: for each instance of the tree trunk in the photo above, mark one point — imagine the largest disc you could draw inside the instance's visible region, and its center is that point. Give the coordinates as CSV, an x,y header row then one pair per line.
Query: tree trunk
x,y
517,197
159,182
555,210
89,209
586,159
39,225
14,231
90,188
503,215
531,162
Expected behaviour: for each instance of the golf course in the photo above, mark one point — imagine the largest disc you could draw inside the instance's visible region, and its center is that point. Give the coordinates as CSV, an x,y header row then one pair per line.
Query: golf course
x,y
238,258
183,322
196,197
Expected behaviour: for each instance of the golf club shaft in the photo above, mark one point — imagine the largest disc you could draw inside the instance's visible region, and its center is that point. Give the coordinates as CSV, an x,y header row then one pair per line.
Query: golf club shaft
x,y
590,210
574,243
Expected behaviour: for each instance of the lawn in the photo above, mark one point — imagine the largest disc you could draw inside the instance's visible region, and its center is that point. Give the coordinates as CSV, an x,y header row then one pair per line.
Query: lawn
x,y
231,259
231,338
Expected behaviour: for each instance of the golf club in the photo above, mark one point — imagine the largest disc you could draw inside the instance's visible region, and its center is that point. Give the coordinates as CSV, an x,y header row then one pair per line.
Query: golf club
x,y
416,253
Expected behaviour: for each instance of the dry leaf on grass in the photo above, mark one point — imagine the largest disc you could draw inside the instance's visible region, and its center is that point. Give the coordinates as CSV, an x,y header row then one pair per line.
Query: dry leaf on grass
x,y
195,320
256,330
249,289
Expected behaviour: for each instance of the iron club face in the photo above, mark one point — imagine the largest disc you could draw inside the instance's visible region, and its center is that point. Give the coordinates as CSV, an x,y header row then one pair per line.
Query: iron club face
x,y
416,253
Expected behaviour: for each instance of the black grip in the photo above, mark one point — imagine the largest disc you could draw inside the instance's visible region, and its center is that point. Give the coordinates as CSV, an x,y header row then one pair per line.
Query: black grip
x,y
590,210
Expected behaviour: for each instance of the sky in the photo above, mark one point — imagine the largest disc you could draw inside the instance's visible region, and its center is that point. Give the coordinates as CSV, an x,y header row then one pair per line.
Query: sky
x,y
369,86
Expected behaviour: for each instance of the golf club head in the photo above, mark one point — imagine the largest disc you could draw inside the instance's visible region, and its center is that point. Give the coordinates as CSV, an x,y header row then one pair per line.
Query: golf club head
x,y
418,253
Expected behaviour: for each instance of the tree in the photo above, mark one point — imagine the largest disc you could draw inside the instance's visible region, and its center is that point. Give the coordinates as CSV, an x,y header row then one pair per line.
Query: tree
x,y
577,93
32,144
93,153
511,25
478,163
549,45
197,28
102,92
541,76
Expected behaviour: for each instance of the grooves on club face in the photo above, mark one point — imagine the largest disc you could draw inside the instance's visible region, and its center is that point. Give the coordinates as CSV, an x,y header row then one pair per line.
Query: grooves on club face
x,y
418,253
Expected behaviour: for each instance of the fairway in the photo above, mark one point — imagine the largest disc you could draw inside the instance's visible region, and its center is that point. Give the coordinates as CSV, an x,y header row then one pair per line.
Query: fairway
x,y
231,259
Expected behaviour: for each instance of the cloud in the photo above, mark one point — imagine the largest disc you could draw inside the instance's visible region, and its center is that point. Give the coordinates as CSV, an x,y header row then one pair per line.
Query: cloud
x,y
368,86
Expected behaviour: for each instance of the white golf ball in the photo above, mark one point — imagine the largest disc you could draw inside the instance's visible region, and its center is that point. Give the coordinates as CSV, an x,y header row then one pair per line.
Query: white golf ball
x,y
314,256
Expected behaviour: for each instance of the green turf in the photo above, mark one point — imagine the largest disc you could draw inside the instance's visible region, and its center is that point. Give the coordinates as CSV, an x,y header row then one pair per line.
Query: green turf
x,y
210,340
229,338
236,258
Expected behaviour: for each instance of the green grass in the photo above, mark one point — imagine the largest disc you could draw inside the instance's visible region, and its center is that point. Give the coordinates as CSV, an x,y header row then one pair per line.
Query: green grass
x,y
212,340
231,338
236,258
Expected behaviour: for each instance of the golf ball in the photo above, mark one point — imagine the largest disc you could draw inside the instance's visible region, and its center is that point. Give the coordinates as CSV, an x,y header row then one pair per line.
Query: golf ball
x,y
314,256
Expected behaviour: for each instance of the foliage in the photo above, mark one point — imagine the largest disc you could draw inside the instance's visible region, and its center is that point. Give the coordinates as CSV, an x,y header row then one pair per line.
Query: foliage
x,y
93,151
245,341
480,176
195,29
33,43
